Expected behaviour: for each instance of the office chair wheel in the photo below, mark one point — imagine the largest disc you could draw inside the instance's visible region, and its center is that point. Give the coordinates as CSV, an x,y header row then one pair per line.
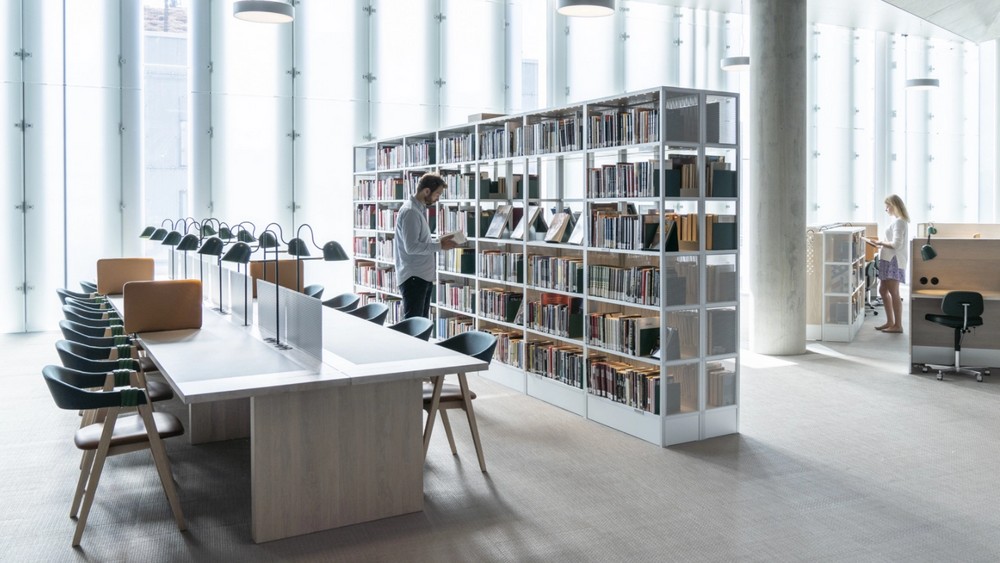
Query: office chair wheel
x,y
979,378
940,376
924,369
986,372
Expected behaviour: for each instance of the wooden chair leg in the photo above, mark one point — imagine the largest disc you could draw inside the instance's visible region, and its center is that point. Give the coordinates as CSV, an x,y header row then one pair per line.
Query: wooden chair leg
x,y
464,384
162,463
95,475
86,464
447,431
432,413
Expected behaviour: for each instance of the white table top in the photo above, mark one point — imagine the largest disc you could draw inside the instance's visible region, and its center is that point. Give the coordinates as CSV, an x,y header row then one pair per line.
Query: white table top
x,y
939,293
223,360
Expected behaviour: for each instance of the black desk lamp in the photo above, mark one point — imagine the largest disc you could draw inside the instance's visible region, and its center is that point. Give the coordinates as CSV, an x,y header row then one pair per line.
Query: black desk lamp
x,y
188,243
147,232
240,254
213,247
927,251
172,239
160,233
332,251
268,239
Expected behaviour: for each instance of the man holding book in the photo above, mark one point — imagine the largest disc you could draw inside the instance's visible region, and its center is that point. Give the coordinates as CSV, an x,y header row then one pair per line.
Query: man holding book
x,y
414,249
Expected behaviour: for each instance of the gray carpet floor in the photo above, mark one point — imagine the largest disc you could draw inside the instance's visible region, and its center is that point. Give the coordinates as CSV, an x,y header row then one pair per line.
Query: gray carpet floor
x,y
843,455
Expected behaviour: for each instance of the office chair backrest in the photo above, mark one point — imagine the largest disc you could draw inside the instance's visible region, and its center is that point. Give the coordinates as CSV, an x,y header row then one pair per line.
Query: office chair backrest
x,y
475,343
72,315
73,360
345,302
70,332
86,313
64,293
88,287
85,328
374,312
418,327
964,304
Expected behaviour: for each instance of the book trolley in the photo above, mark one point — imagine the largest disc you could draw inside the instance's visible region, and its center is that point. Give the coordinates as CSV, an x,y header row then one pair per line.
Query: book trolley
x,y
602,252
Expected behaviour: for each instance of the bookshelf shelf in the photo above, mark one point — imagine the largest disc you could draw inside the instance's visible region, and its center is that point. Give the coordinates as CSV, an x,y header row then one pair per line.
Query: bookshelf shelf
x,y
662,165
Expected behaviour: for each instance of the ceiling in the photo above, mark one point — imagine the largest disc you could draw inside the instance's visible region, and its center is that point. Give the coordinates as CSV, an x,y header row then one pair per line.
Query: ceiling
x,y
956,20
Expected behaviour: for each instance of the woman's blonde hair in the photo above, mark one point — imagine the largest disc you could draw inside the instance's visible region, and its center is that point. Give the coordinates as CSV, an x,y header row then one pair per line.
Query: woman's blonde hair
x,y
896,204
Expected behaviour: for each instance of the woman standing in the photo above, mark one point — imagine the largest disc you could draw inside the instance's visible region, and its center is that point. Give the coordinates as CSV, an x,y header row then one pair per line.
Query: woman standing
x,y
893,258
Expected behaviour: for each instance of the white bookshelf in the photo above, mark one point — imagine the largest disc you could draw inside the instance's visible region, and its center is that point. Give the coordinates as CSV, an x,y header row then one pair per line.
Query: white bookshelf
x,y
679,149
842,276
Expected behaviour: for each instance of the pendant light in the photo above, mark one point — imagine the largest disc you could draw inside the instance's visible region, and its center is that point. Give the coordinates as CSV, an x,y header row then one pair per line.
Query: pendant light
x,y
263,11
740,62
586,8
922,82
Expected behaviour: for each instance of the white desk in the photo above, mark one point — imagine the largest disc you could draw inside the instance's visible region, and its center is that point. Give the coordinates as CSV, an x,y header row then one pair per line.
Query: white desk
x,y
333,443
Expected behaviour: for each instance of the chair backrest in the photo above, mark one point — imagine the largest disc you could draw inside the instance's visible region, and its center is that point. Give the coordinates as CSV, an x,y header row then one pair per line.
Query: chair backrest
x,y
88,287
73,315
475,343
86,311
72,360
954,303
86,350
64,293
85,328
314,290
418,327
66,386
345,302
86,305
374,312
70,332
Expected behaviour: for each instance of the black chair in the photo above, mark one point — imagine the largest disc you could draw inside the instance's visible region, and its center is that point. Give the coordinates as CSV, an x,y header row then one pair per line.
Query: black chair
x,y
91,305
374,312
962,311
88,287
418,327
87,359
112,436
65,293
72,331
314,290
345,302
85,328
479,345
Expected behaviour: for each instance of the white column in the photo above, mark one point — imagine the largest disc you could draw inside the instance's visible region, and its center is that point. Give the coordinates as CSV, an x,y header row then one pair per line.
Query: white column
x,y
778,179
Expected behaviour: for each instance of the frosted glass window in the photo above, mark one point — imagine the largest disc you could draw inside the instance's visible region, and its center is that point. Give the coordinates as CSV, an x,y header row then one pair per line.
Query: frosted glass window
x,y
247,57
10,40
11,219
92,43
404,55
528,55
331,50
592,50
472,48
251,159
650,52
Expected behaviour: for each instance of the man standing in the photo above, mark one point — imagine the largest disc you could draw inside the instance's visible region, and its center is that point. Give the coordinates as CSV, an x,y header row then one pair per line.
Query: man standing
x,y
414,250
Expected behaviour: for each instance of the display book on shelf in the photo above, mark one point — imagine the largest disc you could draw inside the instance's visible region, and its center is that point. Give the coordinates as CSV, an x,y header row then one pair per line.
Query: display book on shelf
x,y
603,252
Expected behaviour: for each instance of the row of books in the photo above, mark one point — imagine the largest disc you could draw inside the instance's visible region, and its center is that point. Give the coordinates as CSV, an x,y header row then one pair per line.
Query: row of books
x,y
499,304
457,295
395,305
637,284
457,149
556,135
721,385
503,266
561,273
364,216
631,334
637,387
561,315
452,326
364,247
384,250
555,360
624,179
420,153
510,346
390,156
459,261
370,275
616,127
498,143
469,185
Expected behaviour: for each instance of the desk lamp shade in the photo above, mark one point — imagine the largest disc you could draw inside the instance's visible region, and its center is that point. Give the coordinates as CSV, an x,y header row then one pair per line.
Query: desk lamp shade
x,y
298,247
188,242
207,230
173,238
147,232
927,251
333,252
212,247
245,236
268,240
225,233
158,234
239,253
263,11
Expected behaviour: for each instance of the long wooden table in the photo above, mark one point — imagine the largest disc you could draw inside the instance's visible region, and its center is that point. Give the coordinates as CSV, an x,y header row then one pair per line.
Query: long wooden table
x,y
334,442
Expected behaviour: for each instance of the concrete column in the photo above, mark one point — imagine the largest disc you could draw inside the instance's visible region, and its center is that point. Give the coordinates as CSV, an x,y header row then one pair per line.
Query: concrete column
x,y
778,32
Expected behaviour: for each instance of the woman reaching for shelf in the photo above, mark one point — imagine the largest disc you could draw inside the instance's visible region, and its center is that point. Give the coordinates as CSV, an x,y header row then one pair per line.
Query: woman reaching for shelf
x,y
893,256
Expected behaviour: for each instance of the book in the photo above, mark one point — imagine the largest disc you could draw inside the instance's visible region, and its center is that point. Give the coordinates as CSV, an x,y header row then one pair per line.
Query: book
x,y
529,218
457,236
499,222
557,230
576,237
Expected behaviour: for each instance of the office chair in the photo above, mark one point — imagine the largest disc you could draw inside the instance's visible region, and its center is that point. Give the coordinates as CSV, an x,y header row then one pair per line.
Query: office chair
x,y
88,287
418,327
479,345
314,290
75,332
374,312
962,311
65,293
88,329
112,436
345,302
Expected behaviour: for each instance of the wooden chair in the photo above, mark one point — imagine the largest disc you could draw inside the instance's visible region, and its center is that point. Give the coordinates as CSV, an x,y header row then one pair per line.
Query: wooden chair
x,y
87,317
88,287
65,293
90,359
114,435
75,332
345,302
440,396
418,327
314,290
374,312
